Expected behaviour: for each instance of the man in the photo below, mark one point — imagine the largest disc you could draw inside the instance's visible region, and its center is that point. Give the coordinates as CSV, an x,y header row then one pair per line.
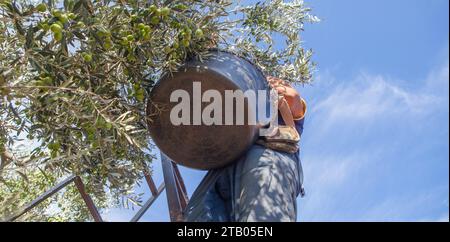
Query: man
x,y
262,186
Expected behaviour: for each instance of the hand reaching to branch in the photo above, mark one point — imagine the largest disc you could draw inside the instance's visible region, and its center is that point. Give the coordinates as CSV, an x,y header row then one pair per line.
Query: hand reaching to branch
x,y
290,94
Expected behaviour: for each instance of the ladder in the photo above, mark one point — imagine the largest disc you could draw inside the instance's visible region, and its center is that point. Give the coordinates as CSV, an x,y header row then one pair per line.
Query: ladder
x,y
173,183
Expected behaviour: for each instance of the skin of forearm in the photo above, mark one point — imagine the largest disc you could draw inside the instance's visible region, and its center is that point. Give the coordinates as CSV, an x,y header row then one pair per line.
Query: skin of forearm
x,y
295,103
290,94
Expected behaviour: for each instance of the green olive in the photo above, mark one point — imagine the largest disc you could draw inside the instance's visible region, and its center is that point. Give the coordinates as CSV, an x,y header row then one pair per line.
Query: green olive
x,y
147,36
41,7
199,33
186,36
141,26
56,13
55,28
186,43
167,49
44,26
136,86
104,33
130,37
63,18
57,36
108,44
124,41
152,8
80,25
71,16
140,95
188,33
60,24
87,57
154,20
165,11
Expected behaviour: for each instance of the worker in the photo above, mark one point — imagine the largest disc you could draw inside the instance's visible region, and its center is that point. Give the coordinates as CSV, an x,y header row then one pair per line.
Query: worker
x,y
262,185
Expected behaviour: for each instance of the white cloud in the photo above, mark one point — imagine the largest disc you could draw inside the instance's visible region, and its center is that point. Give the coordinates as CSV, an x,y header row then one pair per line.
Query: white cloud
x,y
404,208
333,173
354,106
371,96
325,176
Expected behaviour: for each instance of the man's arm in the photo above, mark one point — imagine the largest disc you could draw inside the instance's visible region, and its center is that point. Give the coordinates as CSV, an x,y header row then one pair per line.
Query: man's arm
x,y
293,98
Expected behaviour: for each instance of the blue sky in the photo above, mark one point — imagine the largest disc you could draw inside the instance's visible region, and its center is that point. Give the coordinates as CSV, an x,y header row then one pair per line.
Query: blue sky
x,y
375,145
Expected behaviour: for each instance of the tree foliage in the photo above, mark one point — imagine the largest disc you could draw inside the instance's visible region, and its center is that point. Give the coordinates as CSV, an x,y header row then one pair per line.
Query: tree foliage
x,y
75,74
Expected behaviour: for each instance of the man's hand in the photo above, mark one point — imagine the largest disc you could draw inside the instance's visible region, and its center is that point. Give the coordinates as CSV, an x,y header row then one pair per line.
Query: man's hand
x,y
290,94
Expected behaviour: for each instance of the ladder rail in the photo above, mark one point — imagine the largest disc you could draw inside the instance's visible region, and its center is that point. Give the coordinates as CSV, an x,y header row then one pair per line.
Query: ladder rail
x,y
173,184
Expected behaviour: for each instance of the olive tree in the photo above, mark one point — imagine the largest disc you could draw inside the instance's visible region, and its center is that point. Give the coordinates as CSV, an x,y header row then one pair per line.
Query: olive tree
x,y
75,74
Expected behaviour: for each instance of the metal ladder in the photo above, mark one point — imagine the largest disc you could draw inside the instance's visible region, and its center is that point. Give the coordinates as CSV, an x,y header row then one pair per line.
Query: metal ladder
x,y
173,183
